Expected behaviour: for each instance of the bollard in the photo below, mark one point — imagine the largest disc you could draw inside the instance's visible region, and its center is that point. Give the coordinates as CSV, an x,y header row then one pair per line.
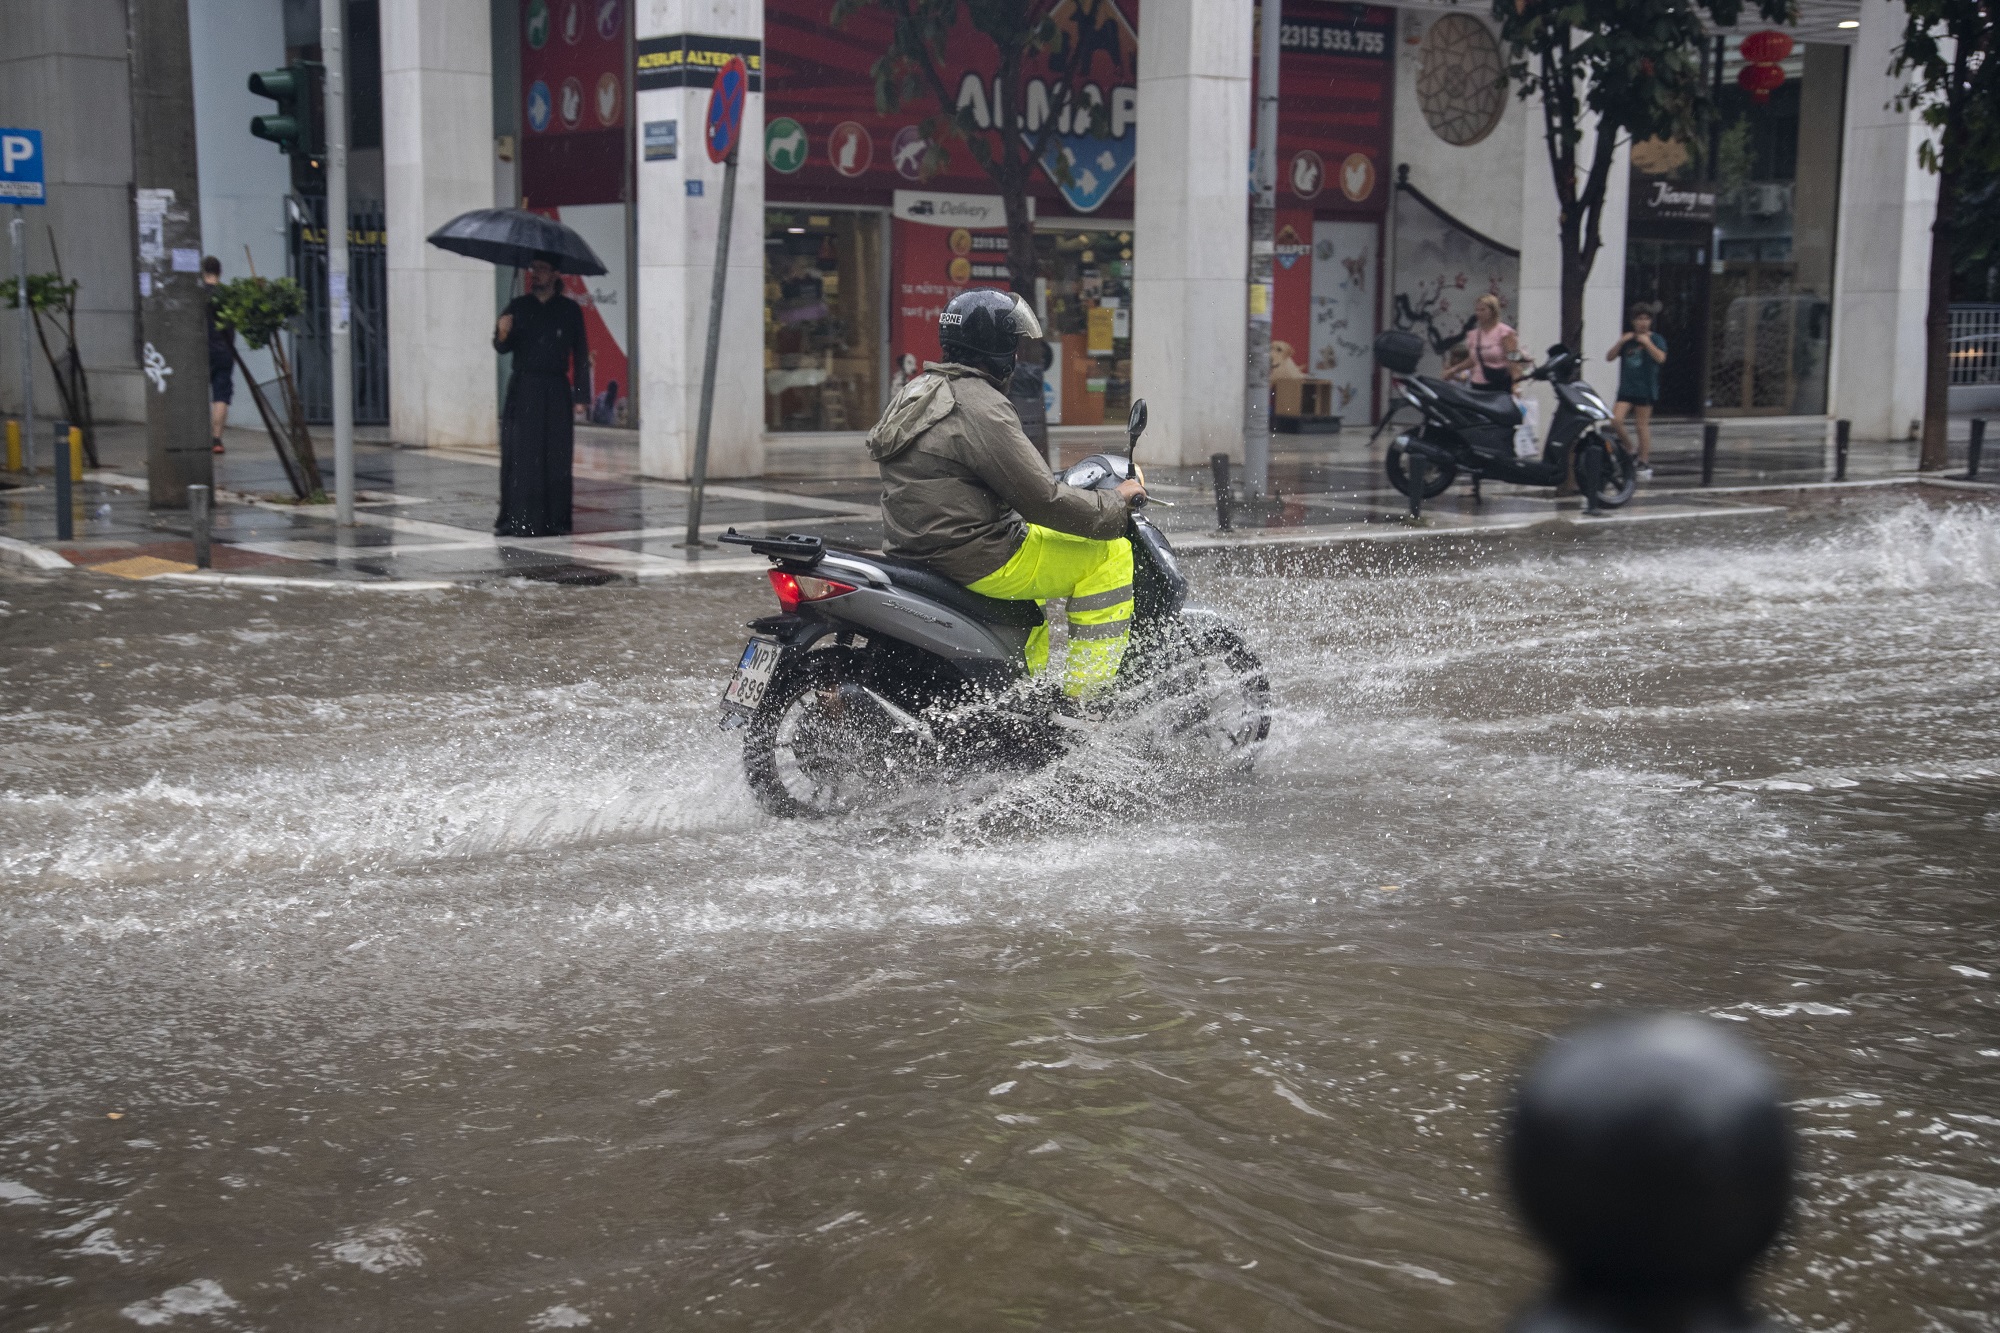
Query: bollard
x,y
1218,466
198,523
13,446
1653,1156
65,520
76,453
1840,432
1710,433
1975,447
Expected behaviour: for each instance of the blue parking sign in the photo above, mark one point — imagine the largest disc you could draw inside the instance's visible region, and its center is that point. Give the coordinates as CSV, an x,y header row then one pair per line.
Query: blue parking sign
x,y
21,172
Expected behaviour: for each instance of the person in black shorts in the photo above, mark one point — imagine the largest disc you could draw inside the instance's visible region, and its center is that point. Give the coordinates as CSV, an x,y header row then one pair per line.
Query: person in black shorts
x,y
221,360
1640,353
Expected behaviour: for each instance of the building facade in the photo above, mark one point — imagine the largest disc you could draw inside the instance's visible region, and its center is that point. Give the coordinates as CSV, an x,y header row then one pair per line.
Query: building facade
x,y
1785,256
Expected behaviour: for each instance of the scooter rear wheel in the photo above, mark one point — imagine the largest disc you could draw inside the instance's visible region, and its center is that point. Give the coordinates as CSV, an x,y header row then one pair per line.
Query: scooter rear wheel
x,y
818,746
1438,477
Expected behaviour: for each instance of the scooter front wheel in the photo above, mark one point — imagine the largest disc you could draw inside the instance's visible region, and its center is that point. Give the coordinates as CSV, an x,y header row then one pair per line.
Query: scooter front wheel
x,y
1202,689
1438,477
1606,473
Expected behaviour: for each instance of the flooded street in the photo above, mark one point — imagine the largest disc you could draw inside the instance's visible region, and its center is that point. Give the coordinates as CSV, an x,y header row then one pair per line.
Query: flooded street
x,y
375,960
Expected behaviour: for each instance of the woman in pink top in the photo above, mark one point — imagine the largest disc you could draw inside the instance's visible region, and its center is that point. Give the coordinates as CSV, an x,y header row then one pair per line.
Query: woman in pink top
x,y
1486,358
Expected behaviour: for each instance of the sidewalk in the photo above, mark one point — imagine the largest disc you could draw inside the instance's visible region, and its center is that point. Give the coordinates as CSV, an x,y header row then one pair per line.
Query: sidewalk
x,y
424,517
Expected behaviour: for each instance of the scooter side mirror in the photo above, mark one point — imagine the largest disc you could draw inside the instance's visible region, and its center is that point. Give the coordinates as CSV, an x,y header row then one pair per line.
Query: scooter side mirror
x,y
1135,424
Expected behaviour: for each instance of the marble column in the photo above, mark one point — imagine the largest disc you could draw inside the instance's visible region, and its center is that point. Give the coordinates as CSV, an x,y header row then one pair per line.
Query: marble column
x,y
1882,255
1538,318
677,235
1191,226
437,150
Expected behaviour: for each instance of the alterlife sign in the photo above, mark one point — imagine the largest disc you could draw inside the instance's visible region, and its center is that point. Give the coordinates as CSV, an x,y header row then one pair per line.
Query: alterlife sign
x,y
22,178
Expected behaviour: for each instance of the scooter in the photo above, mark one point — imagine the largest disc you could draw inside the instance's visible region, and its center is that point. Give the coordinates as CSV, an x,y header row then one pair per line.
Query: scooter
x,y
878,676
1472,430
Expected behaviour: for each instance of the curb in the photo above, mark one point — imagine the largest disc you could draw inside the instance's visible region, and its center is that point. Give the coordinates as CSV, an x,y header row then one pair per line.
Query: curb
x,y
1243,540
213,578
13,551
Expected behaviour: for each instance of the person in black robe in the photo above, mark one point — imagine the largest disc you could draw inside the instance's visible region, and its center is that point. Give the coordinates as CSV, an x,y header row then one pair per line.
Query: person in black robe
x,y
544,331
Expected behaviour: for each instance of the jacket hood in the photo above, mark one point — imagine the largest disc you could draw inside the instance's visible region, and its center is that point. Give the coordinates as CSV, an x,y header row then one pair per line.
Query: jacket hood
x,y
923,402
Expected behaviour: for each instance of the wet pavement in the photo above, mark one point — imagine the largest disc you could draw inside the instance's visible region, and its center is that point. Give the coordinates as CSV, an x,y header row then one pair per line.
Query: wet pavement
x,y
422,961
426,516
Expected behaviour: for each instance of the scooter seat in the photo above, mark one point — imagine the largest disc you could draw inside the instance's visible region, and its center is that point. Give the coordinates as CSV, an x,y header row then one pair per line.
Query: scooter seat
x,y
1496,405
928,583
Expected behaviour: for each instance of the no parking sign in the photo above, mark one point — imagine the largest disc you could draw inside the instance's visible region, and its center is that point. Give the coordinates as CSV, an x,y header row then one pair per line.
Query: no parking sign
x,y
725,109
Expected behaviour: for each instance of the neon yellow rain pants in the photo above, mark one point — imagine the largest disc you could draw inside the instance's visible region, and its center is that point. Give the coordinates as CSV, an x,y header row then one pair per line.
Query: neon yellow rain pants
x,y
1096,577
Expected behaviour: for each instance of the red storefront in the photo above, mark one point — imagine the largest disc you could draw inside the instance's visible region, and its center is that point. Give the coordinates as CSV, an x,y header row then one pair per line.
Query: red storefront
x,y
867,235
870,227
1335,92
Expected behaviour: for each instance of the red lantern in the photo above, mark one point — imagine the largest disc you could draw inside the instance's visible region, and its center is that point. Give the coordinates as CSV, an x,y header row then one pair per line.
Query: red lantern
x,y
1766,47
1760,81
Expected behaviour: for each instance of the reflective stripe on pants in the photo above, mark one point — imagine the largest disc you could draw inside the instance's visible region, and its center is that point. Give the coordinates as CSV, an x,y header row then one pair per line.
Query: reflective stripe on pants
x,y
1096,578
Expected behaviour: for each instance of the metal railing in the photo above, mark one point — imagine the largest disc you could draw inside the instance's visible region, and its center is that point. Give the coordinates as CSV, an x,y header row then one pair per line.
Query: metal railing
x,y
368,296
1975,344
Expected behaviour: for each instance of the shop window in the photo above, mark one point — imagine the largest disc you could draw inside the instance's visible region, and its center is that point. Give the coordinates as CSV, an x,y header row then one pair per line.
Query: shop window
x,y
1731,239
1772,280
1084,299
823,321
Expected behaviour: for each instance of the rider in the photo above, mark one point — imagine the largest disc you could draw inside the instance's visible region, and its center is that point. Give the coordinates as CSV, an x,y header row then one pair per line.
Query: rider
x,y
965,494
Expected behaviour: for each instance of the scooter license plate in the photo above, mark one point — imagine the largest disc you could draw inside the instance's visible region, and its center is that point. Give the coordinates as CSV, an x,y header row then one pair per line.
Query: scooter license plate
x,y
754,670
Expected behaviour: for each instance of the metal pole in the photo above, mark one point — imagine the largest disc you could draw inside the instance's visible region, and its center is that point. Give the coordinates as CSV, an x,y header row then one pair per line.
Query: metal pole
x,y
699,477
1840,432
65,519
1218,466
336,259
199,518
19,227
1263,240
1974,448
1710,433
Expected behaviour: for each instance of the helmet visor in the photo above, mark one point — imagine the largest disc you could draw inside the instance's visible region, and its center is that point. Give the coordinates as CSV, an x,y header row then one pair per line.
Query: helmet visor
x,y
1025,323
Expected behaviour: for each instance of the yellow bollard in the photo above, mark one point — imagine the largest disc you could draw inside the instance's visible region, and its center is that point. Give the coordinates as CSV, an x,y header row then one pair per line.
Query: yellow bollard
x,y
76,453
13,446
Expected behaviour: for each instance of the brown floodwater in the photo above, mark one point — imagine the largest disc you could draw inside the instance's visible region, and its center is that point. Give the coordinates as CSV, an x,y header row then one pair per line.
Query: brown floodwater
x,y
373,961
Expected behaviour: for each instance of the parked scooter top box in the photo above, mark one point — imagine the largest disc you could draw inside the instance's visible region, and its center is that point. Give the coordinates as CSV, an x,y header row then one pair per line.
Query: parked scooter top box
x,y
1399,351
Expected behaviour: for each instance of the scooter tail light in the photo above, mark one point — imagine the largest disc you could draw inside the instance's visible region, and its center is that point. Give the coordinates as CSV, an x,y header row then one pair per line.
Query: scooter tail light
x,y
792,589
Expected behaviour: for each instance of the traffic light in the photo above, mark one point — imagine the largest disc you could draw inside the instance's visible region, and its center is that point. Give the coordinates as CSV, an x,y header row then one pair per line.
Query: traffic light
x,y
291,126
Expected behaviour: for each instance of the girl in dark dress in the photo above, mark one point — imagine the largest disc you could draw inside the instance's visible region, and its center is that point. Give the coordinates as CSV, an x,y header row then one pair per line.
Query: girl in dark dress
x,y
544,331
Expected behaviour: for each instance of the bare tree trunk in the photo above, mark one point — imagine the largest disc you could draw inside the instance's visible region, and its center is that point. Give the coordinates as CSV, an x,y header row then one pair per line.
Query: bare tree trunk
x,y
295,413
79,394
1022,264
280,434
1937,332
1574,275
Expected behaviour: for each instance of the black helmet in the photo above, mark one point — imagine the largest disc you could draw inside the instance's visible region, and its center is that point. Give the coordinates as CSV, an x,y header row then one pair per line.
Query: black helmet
x,y
979,329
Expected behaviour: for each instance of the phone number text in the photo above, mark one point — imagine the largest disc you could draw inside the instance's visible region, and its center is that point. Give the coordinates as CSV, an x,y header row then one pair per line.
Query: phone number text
x,y
1327,37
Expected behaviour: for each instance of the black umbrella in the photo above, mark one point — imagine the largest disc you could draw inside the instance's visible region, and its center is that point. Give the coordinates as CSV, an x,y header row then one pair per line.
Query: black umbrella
x,y
513,236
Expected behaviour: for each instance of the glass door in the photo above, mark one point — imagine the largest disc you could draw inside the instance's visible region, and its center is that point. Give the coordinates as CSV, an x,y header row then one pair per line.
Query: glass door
x,y
823,319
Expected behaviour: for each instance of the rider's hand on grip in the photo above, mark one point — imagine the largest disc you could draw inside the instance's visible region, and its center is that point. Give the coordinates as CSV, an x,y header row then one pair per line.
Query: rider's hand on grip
x,y
1132,492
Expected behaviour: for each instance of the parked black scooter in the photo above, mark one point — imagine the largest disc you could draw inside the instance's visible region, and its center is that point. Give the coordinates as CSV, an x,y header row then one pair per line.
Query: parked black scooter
x,y
879,675
1472,430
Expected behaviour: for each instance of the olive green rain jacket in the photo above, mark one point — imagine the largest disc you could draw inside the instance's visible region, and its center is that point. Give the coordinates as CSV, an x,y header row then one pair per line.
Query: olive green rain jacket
x,y
960,479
